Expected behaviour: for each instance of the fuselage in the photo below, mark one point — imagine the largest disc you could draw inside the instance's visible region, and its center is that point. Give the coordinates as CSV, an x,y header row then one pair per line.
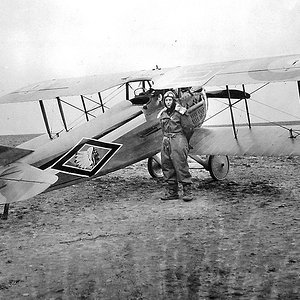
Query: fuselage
x,y
125,134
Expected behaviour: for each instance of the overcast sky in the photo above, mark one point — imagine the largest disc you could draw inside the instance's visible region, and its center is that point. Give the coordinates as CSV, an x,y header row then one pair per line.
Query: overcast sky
x,y
45,39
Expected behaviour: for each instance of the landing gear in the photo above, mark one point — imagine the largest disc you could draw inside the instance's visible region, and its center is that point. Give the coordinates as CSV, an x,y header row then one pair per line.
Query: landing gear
x,y
154,166
217,165
5,212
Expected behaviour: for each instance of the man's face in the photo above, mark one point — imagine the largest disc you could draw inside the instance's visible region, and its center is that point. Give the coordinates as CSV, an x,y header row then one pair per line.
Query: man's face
x,y
168,102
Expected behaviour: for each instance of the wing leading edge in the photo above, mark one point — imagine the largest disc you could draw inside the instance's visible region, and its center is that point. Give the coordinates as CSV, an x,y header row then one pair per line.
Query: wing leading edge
x,y
270,69
250,71
75,86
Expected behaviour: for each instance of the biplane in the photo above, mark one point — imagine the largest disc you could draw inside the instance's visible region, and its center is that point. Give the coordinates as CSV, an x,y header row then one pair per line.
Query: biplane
x,y
246,107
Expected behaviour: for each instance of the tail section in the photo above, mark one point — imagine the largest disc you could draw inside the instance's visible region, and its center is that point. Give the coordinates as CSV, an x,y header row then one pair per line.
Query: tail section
x,y
19,181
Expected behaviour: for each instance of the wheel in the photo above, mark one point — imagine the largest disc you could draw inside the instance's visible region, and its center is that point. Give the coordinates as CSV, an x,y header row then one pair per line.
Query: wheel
x,y
218,166
154,166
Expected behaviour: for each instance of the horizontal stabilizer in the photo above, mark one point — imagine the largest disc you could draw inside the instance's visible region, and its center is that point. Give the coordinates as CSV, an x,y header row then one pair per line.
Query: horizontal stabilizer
x,y
11,154
19,181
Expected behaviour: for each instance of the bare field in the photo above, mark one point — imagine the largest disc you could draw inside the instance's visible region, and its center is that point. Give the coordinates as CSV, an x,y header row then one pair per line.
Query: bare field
x,y
112,238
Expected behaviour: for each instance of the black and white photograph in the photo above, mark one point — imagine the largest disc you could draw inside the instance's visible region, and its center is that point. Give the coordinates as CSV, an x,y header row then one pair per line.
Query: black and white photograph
x,y
149,150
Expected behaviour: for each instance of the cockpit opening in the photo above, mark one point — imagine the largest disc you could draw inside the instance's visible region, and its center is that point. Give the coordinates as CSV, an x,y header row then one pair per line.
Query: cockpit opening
x,y
141,96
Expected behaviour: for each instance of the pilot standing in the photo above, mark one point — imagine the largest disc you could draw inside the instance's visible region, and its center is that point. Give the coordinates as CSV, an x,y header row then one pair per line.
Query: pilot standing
x,y
177,127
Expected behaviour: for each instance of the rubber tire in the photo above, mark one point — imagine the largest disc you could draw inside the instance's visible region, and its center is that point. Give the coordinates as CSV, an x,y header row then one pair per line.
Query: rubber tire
x,y
218,166
154,168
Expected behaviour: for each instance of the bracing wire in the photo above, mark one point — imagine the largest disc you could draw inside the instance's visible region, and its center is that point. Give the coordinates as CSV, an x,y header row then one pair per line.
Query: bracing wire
x,y
274,108
77,121
261,118
119,92
273,122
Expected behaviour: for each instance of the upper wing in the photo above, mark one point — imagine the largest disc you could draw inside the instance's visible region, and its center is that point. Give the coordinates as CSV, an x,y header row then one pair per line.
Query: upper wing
x,y
75,86
251,71
281,68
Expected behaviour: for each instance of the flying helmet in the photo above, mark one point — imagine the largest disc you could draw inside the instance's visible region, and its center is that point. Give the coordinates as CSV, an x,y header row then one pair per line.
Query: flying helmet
x,y
169,94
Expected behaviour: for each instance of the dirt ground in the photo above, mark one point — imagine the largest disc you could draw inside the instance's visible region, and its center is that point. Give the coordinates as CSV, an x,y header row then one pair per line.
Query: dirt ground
x,y
112,238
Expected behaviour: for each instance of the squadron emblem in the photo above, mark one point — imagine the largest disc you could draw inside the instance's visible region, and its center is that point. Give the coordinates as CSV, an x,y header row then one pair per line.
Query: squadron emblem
x,y
87,158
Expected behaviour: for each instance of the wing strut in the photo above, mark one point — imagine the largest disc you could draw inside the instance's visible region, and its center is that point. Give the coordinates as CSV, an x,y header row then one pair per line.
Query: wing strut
x,y
247,109
231,112
84,107
45,118
100,98
299,88
82,97
127,91
62,113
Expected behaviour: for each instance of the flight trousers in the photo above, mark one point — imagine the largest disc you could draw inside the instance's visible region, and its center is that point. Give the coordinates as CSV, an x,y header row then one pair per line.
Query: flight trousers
x,y
174,155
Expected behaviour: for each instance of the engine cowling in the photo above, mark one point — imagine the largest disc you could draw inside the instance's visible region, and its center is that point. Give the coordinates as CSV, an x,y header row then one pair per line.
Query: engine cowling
x,y
196,103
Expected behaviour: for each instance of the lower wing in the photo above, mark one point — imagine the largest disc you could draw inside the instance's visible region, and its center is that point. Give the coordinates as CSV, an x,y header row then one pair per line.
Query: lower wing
x,y
259,140
11,154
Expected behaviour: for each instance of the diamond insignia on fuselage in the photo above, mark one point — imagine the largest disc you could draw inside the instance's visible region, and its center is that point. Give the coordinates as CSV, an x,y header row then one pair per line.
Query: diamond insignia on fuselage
x,y
87,157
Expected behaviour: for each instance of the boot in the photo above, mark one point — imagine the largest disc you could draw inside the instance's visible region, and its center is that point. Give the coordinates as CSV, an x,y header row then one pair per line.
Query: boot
x,y
187,192
171,192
